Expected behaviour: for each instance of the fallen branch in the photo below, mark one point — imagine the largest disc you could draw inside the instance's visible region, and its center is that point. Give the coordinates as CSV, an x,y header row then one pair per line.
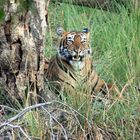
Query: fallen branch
x,y
19,127
23,112
64,131
8,108
8,123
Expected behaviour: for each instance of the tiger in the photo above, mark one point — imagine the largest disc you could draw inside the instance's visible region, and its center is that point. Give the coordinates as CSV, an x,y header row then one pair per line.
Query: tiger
x,y
72,66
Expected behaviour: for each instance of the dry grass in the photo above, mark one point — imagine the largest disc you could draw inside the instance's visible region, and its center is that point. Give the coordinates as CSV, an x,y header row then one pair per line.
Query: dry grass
x,y
115,43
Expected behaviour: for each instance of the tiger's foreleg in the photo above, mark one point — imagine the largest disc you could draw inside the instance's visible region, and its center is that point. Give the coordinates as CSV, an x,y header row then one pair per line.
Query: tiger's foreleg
x,y
100,90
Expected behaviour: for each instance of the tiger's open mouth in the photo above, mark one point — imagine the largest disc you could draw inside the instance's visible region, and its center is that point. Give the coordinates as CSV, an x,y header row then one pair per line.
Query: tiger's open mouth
x,y
77,58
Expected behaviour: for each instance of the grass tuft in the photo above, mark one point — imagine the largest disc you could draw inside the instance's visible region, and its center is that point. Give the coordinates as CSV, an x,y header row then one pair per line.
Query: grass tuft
x,y
116,53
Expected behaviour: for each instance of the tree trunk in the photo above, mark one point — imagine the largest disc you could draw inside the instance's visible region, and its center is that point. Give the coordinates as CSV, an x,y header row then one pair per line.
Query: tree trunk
x,y
22,45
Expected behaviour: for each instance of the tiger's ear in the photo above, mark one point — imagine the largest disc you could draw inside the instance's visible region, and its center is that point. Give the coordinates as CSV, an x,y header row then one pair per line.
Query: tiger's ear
x,y
86,30
60,31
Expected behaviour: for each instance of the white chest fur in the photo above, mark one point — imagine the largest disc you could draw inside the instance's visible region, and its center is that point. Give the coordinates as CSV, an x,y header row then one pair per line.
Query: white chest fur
x,y
77,65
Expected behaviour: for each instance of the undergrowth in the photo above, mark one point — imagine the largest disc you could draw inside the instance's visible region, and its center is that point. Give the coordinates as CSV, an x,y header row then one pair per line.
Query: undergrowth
x,y
116,52
114,38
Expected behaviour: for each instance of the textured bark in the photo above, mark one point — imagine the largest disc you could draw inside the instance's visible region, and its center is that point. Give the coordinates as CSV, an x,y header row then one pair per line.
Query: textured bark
x,y
22,44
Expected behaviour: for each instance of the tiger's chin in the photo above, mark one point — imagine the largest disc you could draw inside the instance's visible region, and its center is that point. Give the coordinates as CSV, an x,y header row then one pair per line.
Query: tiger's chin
x,y
77,65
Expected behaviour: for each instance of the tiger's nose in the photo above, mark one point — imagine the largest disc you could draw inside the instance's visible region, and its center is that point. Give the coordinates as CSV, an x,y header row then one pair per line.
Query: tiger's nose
x,y
77,51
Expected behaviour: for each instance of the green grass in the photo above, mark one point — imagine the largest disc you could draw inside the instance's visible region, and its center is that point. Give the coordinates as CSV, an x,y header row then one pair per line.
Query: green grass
x,y
114,38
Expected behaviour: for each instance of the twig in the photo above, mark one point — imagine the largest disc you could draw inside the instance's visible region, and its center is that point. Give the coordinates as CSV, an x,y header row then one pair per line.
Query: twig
x,y
17,126
65,134
22,113
126,85
9,108
72,109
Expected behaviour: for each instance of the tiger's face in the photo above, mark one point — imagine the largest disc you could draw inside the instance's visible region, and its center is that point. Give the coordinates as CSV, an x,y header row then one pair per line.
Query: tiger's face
x,y
74,48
